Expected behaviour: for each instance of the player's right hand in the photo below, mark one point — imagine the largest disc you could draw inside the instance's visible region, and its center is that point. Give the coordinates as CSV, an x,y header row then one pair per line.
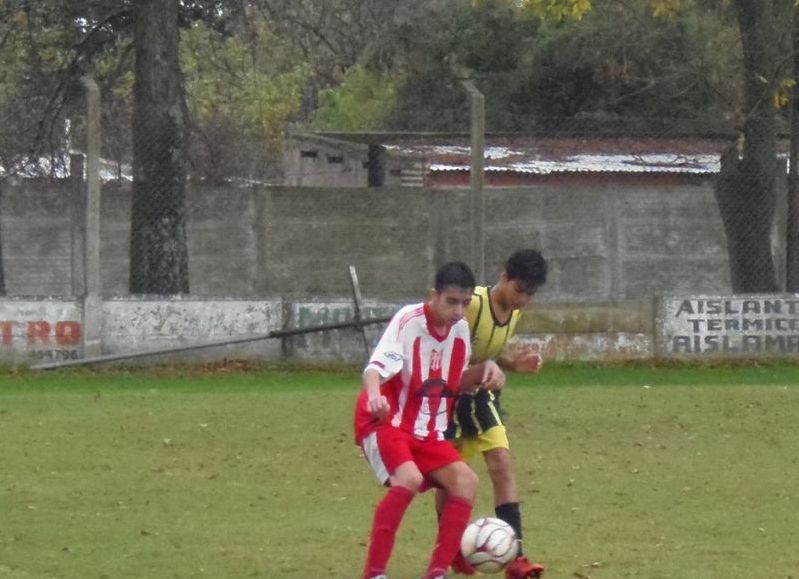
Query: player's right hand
x,y
493,376
378,407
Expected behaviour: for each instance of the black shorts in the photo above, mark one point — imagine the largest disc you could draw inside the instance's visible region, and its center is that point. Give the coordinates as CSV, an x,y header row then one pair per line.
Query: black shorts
x,y
474,414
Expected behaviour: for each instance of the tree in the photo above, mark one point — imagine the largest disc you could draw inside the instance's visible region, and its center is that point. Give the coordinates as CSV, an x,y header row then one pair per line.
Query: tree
x,y
792,233
359,104
243,88
453,40
555,59
624,59
746,187
38,43
158,251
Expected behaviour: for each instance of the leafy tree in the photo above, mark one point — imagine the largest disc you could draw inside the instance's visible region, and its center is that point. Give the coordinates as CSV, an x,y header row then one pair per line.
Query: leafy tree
x,y
626,59
50,44
454,40
35,46
558,9
564,58
746,188
333,36
38,41
243,88
359,103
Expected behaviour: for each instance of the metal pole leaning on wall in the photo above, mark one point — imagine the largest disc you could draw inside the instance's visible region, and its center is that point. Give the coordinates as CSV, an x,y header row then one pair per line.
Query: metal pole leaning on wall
x,y
92,307
477,177
230,342
356,304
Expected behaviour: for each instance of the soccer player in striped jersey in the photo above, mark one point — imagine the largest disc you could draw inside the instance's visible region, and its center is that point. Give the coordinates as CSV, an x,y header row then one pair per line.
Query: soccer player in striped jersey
x,y
477,425
416,371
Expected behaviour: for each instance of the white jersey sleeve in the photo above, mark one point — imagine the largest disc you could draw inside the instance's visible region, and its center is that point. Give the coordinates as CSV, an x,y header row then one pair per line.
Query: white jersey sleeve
x,y
388,357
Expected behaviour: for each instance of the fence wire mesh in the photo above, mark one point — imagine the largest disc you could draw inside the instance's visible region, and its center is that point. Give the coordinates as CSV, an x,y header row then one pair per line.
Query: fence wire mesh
x,y
620,214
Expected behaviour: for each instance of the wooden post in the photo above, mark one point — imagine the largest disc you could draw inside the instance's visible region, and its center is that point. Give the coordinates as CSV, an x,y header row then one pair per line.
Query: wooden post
x,y
92,302
477,178
77,221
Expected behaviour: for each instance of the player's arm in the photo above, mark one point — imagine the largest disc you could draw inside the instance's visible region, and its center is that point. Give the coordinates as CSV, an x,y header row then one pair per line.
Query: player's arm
x,y
486,375
386,361
522,358
376,403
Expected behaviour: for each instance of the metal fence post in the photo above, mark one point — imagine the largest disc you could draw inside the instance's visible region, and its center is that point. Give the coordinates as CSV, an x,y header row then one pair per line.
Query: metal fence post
x,y
92,311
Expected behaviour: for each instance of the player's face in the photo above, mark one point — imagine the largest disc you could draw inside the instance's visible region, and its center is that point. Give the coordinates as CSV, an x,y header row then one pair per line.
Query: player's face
x,y
449,305
515,294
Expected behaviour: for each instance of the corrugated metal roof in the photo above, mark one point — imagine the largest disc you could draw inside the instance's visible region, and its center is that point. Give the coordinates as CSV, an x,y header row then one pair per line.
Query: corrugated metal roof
x,y
519,160
557,155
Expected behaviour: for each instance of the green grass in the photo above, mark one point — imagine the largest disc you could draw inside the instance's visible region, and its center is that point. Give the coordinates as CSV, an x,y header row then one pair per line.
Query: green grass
x,y
625,471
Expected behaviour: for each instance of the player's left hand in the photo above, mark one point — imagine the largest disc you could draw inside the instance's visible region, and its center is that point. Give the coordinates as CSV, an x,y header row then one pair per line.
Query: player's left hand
x,y
493,376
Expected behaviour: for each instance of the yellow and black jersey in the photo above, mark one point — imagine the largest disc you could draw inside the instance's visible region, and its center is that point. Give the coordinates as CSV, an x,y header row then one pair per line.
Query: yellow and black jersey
x,y
487,334
481,411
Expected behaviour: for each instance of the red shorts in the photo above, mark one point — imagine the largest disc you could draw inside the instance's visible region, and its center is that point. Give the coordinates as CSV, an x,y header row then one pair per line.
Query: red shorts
x,y
387,447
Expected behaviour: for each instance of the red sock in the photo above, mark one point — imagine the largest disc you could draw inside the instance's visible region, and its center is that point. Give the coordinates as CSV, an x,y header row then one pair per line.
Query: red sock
x,y
388,516
454,518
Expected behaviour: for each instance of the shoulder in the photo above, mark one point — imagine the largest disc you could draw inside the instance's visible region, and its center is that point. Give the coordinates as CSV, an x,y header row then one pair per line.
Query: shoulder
x,y
408,312
461,326
408,316
480,291
461,329
479,297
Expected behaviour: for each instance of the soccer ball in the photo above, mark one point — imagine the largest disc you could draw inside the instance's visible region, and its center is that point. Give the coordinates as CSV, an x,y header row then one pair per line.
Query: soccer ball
x,y
488,544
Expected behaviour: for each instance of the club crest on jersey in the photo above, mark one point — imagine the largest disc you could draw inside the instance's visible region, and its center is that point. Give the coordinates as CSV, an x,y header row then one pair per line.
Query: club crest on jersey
x,y
435,361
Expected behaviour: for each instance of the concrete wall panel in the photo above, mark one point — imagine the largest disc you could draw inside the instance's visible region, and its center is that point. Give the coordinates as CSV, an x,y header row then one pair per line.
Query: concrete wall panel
x,y
137,325
604,243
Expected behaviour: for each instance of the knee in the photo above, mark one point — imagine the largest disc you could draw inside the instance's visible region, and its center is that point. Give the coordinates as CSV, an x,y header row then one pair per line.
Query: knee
x,y
465,483
410,480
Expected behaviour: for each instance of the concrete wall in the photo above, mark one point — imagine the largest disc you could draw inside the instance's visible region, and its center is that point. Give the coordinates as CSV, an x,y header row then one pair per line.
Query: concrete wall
x,y
223,229
605,243
36,235
49,330
137,325
39,330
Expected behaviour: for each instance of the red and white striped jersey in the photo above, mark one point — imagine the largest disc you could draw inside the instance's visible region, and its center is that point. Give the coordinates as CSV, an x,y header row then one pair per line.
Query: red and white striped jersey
x,y
422,372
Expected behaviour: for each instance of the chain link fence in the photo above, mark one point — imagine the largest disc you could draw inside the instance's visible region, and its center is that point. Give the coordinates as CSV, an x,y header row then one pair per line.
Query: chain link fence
x,y
623,210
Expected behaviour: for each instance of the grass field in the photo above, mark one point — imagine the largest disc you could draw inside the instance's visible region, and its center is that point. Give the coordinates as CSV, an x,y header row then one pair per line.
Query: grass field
x,y
232,473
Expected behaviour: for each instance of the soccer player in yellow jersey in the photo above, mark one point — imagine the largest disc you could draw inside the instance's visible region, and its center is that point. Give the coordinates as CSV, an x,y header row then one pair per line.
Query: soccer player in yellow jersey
x,y
477,425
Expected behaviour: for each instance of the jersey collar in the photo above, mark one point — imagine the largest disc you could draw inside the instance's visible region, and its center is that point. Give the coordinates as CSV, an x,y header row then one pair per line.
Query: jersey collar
x,y
428,315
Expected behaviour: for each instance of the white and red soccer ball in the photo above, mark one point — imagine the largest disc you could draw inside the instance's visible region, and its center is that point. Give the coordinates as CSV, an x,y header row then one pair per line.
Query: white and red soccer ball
x,y
489,544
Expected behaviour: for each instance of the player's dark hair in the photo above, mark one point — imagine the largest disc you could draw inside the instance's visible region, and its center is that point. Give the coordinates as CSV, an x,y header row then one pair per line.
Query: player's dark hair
x,y
454,274
528,267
